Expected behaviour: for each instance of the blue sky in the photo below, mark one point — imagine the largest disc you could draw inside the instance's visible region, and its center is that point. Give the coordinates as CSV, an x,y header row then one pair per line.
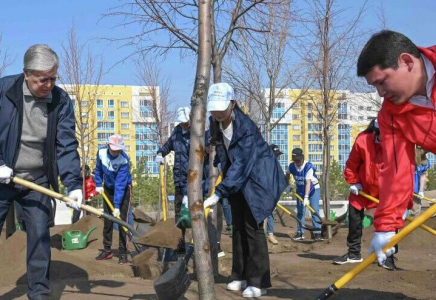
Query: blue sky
x,y
27,22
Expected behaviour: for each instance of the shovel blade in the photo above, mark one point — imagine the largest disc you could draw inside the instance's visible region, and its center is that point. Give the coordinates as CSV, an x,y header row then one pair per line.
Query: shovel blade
x,y
174,283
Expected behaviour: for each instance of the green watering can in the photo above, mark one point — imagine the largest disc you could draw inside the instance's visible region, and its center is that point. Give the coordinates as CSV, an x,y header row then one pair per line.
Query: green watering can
x,y
75,239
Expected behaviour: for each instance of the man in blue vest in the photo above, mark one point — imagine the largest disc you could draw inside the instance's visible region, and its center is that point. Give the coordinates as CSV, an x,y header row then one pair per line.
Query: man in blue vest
x,y
307,184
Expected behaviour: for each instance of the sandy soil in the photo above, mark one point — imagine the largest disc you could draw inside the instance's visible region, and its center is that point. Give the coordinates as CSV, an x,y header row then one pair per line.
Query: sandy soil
x,y
299,270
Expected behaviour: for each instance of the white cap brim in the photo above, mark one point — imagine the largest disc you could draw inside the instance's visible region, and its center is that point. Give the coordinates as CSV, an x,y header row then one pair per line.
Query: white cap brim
x,y
219,105
182,120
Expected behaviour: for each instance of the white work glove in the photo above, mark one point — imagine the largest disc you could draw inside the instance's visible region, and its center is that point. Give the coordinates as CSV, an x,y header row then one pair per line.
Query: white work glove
x,y
116,213
76,194
5,174
355,188
288,189
378,242
159,159
306,201
99,189
421,195
405,215
211,201
185,201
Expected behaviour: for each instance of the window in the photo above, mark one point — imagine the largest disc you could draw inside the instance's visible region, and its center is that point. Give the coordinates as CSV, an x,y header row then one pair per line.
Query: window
x,y
111,103
296,137
361,107
127,147
295,117
106,125
99,103
315,127
332,148
103,136
111,115
124,115
369,118
368,108
296,127
145,102
315,148
310,116
84,103
360,118
296,106
309,106
125,125
125,137
342,116
100,115
124,104
315,157
85,126
313,137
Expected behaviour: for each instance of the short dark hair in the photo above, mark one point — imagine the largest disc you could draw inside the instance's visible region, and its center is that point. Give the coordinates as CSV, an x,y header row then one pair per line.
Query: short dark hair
x,y
383,49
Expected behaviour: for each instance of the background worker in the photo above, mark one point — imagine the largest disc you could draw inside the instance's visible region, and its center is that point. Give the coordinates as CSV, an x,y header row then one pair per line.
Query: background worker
x,y
37,143
252,181
361,171
307,187
113,177
179,142
404,75
422,164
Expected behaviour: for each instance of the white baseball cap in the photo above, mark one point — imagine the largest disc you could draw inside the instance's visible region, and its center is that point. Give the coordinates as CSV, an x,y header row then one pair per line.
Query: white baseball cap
x,y
116,143
183,114
219,96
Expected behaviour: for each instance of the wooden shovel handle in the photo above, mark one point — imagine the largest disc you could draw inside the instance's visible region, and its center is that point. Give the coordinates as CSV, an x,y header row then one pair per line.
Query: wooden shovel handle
x,y
53,194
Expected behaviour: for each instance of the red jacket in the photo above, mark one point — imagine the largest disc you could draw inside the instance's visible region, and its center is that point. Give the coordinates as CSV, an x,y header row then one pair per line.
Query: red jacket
x,y
363,166
90,190
401,127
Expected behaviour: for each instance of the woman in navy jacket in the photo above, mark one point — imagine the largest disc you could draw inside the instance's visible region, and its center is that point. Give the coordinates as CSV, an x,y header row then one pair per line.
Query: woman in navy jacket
x,y
253,182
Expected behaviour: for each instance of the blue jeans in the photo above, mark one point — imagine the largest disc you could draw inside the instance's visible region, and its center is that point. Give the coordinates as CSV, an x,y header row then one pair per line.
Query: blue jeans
x,y
227,211
301,212
270,223
36,217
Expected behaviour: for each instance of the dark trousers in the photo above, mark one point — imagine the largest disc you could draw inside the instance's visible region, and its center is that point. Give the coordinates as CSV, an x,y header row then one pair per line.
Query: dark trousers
x,y
178,198
108,225
354,238
250,249
36,217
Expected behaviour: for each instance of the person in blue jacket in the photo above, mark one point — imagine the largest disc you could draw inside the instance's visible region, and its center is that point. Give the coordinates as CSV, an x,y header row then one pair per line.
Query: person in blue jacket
x,y
37,143
113,169
422,164
252,181
307,187
179,142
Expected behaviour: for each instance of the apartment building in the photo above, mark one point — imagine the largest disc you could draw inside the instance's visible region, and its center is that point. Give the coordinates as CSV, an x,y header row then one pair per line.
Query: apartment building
x,y
116,109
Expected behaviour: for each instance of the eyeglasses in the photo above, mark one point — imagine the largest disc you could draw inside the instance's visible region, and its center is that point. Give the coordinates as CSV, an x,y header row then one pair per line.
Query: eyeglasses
x,y
44,80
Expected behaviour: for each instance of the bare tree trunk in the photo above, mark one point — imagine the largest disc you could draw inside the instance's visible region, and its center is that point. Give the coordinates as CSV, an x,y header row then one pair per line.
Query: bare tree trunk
x,y
195,190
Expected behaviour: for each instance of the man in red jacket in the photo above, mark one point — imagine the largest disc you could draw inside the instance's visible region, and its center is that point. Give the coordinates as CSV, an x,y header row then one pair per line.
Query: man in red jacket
x,y
404,75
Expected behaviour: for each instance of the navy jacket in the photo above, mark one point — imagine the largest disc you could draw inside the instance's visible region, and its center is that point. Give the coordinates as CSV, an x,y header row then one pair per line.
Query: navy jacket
x,y
61,156
250,166
179,143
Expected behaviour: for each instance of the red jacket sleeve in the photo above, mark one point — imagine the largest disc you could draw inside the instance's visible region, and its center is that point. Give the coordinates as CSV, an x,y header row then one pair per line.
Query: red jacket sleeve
x,y
351,171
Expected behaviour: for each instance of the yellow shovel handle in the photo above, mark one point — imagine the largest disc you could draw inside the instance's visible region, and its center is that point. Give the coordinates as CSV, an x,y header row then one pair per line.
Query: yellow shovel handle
x,y
302,201
425,198
111,207
410,219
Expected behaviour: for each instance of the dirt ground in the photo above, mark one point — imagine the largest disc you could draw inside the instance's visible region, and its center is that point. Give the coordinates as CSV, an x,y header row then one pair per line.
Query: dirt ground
x,y
299,270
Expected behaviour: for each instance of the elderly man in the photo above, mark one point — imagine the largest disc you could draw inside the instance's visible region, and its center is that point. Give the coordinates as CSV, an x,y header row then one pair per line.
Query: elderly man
x,y
37,143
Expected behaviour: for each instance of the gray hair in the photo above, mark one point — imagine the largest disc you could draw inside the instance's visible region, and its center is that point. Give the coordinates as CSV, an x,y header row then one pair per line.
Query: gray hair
x,y
40,57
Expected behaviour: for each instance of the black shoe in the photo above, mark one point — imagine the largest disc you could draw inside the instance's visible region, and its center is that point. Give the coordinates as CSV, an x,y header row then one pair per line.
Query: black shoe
x,y
298,237
229,228
348,258
104,255
317,237
122,259
181,248
389,263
